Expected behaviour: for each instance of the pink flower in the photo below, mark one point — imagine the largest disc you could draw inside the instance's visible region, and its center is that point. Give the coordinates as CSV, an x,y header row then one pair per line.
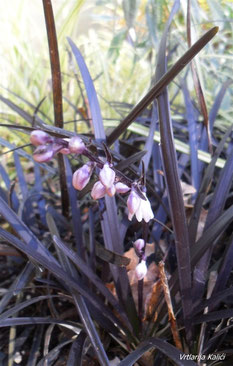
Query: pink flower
x,y
107,176
139,207
121,187
133,203
141,270
98,191
139,244
76,145
43,153
39,137
82,176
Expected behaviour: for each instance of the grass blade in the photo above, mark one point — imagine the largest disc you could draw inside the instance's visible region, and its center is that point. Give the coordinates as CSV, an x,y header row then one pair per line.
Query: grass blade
x,y
197,83
76,351
91,93
167,349
175,196
161,84
216,207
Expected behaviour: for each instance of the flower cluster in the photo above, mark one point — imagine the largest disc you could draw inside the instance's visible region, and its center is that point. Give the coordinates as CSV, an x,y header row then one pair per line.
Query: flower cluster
x,y
48,146
110,180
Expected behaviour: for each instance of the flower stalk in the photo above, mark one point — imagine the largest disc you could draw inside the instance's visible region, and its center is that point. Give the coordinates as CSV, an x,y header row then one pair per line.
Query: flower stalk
x,y
111,180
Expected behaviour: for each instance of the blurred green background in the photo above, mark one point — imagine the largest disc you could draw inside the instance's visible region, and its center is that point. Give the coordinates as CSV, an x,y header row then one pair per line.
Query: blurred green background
x,y
118,40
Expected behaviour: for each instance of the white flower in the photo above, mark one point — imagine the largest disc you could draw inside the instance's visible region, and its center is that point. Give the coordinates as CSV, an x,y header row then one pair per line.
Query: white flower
x,y
98,191
121,187
133,203
82,176
107,176
76,145
142,210
141,270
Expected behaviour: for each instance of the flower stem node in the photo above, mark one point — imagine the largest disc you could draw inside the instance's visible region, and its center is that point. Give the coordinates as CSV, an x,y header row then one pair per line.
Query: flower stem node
x,y
98,191
81,177
76,145
39,137
107,176
141,270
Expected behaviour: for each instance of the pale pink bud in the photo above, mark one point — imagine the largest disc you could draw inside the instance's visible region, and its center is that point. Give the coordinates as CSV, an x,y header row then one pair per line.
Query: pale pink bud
x,y
121,187
133,203
39,137
98,191
82,176
107,176
111,191
76,145
43,153
141,270
65,151
139,244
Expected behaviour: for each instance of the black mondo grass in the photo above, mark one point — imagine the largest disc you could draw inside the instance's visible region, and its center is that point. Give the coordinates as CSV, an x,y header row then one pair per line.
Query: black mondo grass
x,y
90,207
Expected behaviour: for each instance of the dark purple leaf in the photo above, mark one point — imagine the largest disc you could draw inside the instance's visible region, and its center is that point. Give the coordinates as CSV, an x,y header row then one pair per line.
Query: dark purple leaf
x,y
193,141
175,196
216,207
83,267
75,211
193,223
76,350
213,316
167,349
91,93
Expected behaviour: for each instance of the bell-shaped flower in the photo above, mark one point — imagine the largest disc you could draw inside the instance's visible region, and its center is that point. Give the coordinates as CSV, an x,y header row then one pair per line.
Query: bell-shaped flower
x,y
76,145
107,176
98,191
39,137
82,176
133,203
143,209
43,153
139,245
121,187
141,270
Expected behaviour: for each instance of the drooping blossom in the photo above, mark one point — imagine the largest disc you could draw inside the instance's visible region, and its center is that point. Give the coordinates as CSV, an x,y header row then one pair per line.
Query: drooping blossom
x,y
141,270
139,244
133,203
98,191
139,207
121,187
107,176
82,176
76,145
43,153
39,137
